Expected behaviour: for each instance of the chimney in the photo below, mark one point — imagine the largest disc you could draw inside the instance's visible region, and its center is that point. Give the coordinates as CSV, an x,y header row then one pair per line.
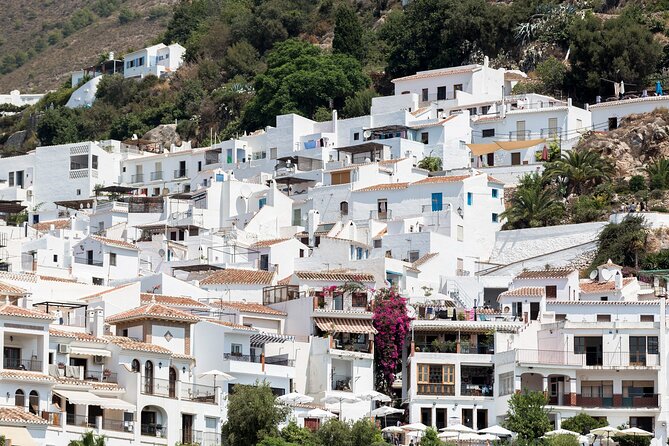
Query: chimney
x,y
313,219
96,322
619,281
486,61
111,55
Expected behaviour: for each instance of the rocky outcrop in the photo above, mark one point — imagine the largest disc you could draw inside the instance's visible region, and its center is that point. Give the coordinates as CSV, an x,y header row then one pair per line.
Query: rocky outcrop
x,y
165,134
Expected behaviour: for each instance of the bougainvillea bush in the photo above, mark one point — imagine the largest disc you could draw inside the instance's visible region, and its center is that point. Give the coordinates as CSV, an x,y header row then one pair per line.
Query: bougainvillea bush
x,y
392,323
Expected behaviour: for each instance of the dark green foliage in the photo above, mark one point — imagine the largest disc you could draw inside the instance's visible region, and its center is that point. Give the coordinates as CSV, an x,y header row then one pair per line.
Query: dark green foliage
x,y
57,126
298,435
359,104
105,8
627,440
588,208
658,174
430,438
527,415
431,163
348,33
552,73
579,171
623,243
127,15
89,439
657,260
334,432
583,423
562,440
637,183
533,204
242,59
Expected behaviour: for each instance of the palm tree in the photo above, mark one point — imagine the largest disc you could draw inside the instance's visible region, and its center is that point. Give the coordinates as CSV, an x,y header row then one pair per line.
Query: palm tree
x,y
658,173
580,170
431,163
89,439
532,205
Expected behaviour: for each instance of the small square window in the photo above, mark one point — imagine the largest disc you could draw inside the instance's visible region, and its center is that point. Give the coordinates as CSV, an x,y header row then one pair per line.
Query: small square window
x,y
356,136
78,191
55,258
112,259
495,193
495,218
470,198
488,133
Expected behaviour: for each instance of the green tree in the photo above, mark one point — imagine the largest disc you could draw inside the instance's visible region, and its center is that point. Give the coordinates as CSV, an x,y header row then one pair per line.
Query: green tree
x,y
552,74
563,440
431,163
89,439
580,170
622,242
348,33
57,126
430,438
364,432
637,183
533,204
658,174
127,15
253,414
242,59
527,415
300,78
298,435
334,432
276,441
359,104
583,423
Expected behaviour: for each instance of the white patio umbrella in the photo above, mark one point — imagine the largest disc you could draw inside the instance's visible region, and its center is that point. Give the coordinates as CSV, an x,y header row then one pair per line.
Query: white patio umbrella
x,y
317,413
606,432
497,430
371,396
340,397
458,429
636,432
416,427
384,411
393,430
218,374
561,432
295,398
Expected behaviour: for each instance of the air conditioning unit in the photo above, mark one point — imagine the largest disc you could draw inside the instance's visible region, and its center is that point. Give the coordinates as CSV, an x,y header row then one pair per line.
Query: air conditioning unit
x,y
63,348
98,359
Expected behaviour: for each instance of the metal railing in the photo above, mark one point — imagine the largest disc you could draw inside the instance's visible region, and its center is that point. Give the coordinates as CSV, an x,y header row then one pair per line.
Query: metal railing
x,y
153,429
117,425
53,418
379,215
86,261
281,293
137,178
241,358
476,389
200,438
180,173
79,420
588,358
105,376
159,387
435,389
279,360
198,392
519,135
273,360
617,401
30,365
157,175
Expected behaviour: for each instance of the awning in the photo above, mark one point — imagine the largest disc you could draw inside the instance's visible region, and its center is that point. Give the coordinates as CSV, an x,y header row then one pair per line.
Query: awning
x,y
260,339
90,399
483,149
86,351
19,436
330,324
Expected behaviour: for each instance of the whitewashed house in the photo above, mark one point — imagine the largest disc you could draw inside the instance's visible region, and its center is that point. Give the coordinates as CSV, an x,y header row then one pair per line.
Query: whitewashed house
x,y
101,260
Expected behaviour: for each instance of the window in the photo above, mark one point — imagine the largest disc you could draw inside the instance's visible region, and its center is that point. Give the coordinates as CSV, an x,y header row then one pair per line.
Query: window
x,y
515,159
210,423
55,258
156,191
603,318
425,137
495,217
199,166
413,255
135,365
653,346
457,87
597,389
436,373
297,217
472,111
520,131
613,123
359,300
579,345
356,136
94,161
637,346
78,162
495,193
551,291
460,233
485,109
112,258
98,280
343,208
33,402
426,416
424,95
604,298
11,179
506,383
647,318
488,133
441,93
262,202
236,349
340,177
378,243
78,191
19,398
470,198
273,153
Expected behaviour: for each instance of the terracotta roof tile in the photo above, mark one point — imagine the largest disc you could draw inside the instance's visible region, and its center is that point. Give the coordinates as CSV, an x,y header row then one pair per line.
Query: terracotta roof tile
x,y
554,273
239,276
385,186
113,242
589,286
45,226
445,179
534,291
20,277
335,276
19,415
153,310
172,301
182,356
420,111
25,375
427,257
437,73
131,344
266,243
432,124
8,309
284,281
78,335
95,385
11,290
56,279
492,179
235,326
102,293
248,308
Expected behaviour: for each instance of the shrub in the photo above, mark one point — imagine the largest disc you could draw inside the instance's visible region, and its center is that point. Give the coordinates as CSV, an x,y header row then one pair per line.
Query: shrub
x,y
126,15
637,183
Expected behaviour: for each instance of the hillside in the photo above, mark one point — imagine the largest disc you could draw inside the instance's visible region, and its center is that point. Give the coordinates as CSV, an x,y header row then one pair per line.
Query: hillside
x,y
42,41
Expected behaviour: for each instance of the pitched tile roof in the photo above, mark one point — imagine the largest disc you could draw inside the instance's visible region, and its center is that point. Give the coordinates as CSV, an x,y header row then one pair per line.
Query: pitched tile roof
x,y
21,277
19,415
172,301
95,385
266,243
534,291
78,335
436,73
590,286
239,276
385,186
235,326
11,290
132,344
7,309
492,179
335,276
56,279
424,259
248,307
284,281
113,242
45,226
25,375
432,124
102,293
153,310
445,179
553,273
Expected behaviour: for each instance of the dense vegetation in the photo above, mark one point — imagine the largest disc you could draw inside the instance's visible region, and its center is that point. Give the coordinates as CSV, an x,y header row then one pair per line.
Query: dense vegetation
x,y
250,60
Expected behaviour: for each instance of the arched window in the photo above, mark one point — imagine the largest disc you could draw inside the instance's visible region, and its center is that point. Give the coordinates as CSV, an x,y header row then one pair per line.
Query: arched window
x,y
343,207
19,398
148,378
173,382
135,365
33,402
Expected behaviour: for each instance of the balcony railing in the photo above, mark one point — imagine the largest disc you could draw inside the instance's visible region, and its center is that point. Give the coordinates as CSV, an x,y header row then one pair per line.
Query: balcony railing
x,y
198,393
153,429
159,387
281,293
435,389
519,135
274,360
180,173
137,178
86,261
616,401
156,176
241,358
381,215
200,438
53,418
117,425
476,389
105,376
342,382
30,365
586,359
79,420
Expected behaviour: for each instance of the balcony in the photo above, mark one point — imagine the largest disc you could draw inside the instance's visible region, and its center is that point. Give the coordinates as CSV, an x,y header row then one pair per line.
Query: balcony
x,y
476,389
586,359
137,178
180,173
159,387
198,393
617,401
30,365
342,383
207,438
381,215
153,430
72,419
280,293
117,425
274,360
155,176
435,389
105,376
87,261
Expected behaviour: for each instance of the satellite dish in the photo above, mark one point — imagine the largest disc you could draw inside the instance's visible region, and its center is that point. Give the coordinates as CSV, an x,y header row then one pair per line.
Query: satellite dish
x,y
367,134
606,274
161,252
245,192
593,274
411,312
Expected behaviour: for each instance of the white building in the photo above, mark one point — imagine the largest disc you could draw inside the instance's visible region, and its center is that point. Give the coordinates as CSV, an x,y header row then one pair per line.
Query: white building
x,y
156,60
